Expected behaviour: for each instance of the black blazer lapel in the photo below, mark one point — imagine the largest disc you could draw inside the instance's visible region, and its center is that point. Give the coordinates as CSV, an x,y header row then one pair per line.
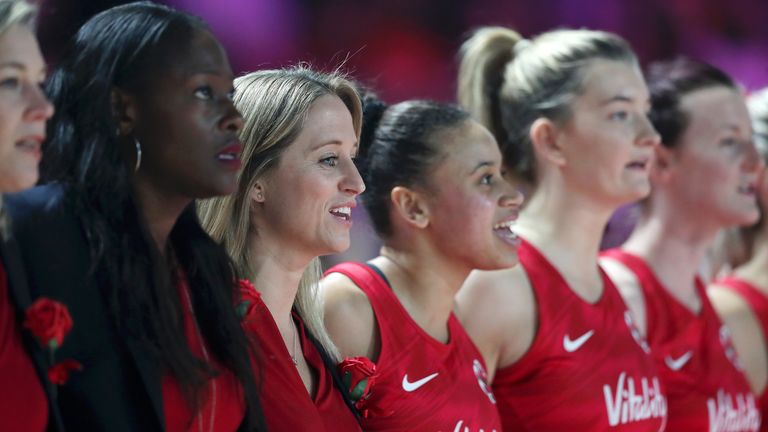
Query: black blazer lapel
x,y
150,375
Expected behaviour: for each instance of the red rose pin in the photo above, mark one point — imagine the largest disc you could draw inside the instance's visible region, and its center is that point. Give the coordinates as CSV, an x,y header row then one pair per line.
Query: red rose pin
x,y
49,322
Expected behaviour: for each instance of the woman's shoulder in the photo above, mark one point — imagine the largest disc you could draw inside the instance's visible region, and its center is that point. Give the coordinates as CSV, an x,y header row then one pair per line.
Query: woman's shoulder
x,y
348,315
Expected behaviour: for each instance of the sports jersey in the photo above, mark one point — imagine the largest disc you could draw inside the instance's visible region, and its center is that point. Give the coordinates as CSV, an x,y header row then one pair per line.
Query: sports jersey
x,y
587,369
706,387
759,304
423,384
284,399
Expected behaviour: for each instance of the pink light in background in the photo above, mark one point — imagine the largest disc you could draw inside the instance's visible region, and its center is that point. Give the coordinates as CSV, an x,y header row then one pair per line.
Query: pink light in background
x,y
257,34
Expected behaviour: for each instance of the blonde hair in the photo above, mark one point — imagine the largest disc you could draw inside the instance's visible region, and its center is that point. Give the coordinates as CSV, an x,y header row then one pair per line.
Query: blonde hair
x,y
13,12
507,82
274,105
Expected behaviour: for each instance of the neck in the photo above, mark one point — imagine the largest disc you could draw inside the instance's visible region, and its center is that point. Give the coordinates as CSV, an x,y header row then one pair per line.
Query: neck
x,y
276,273
567,228
161,211
755,271
674,245
424,282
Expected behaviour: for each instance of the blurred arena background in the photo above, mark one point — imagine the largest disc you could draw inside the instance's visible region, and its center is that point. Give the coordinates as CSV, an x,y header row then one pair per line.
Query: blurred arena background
x,y
407,48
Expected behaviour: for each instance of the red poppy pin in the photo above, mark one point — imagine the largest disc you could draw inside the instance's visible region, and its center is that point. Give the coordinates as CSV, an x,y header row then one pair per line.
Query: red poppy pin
x,y
358,375
248,300
49,322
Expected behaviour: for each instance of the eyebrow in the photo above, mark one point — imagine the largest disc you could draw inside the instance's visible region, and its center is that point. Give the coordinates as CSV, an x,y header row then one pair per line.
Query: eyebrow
x,y
618,98
335,142
482,164
189,73
13,65
731,127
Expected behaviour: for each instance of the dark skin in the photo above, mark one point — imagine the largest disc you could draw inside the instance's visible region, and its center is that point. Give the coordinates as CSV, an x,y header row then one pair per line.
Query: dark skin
x,y
183,118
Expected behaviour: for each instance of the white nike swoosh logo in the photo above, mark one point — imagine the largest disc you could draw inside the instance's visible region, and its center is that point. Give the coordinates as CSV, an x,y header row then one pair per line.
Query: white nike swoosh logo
x,y
678,364
411,386
573,345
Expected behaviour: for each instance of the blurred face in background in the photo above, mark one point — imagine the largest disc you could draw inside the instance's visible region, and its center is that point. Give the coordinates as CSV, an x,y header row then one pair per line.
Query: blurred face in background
x,y
24,108
715,166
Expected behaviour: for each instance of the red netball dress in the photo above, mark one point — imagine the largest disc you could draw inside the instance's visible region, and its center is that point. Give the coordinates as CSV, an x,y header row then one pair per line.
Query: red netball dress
x,y
285,401
23,405
705,385
222,407
423,384
588,368
759,304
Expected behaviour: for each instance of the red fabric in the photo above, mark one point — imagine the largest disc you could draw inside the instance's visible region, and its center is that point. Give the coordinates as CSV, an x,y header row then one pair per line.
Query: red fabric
x,y
759,304
229,403
706,389
587,369
286,403
23,405
456,399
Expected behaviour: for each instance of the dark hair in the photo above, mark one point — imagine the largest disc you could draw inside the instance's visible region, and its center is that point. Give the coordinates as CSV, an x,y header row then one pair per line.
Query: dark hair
x,y
124,47
397,149
507,82
668,82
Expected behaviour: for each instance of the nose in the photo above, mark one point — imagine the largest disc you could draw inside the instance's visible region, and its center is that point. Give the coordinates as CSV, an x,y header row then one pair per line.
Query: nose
x,y
352,183
39,108
232,121
647,137
514,198
753,161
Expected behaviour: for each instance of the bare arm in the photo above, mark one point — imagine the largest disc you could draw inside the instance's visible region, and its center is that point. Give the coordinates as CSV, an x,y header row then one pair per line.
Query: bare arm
x,y
748,338
629,287
349,317
498,310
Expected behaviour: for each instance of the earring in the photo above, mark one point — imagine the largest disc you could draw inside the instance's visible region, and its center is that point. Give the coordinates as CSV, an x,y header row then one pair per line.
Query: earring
x,y
138,154
259,196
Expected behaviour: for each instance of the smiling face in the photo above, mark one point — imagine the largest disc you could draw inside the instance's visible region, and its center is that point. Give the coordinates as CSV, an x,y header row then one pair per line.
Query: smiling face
x,y
471,206
305,202
608,140
187,125
715,165
23,108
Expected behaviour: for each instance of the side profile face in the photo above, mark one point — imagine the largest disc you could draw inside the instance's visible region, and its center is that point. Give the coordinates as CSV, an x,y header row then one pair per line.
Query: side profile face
x,y
187,125
471,206
608,140
715,166
306,200
23,108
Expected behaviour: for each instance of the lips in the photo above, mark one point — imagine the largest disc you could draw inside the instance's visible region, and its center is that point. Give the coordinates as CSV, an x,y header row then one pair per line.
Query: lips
x,y
503,230
230,156
31,145
749,189
343,212
638,164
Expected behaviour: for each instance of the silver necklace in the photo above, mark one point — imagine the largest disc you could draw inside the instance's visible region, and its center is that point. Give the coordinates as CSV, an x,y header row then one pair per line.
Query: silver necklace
x,y
295,336
207,360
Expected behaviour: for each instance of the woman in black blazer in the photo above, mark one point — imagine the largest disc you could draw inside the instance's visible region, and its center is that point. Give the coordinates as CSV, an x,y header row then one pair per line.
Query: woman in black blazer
x,y
144,126
24,109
